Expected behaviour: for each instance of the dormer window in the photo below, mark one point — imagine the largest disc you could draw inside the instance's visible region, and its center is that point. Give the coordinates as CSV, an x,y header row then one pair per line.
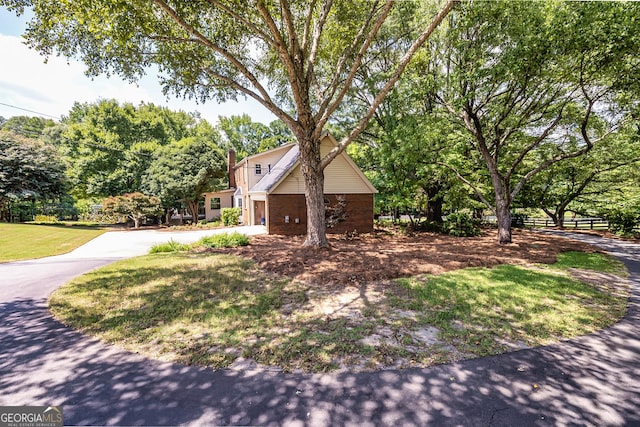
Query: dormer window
x,y
258,169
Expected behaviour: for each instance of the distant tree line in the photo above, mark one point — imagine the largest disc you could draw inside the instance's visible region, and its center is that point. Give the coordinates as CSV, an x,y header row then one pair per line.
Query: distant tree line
x,y
105,150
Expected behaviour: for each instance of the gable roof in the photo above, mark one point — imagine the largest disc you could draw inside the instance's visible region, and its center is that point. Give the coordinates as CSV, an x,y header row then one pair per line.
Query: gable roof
x,y
278,171
258,155
290,160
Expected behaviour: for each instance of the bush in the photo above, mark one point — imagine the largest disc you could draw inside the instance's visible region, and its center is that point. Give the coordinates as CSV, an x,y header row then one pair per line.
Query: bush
x,y
170,246
517,220
46,219
460,224
230,216
428,226
224,240
623,219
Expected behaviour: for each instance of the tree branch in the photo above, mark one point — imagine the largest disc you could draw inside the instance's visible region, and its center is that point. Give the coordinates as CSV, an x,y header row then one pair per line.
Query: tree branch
x,y
467,182
315,42
389,85
271,106
208,43
283,53
332,101
239,18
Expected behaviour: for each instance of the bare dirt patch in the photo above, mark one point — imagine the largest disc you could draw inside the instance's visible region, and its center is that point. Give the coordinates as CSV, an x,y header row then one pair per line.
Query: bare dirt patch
x,y
382,255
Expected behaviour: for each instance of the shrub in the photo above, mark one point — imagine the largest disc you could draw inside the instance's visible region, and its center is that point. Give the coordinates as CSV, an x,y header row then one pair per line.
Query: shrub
x,y
461,225
230,216
46,219
170,246
428,226
517,220
623,219
224,240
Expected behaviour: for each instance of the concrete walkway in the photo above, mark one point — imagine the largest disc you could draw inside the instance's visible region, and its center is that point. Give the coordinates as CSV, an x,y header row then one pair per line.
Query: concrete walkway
x,y
592,380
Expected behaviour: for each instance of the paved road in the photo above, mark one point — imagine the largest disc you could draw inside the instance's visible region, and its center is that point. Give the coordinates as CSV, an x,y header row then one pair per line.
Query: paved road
x,y
592,380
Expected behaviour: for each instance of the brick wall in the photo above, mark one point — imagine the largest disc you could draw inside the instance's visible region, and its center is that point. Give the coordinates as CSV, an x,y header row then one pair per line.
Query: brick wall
x,y
359,213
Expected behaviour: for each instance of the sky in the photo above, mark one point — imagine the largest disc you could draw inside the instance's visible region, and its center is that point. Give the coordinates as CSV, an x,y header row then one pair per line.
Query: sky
x,y
50,89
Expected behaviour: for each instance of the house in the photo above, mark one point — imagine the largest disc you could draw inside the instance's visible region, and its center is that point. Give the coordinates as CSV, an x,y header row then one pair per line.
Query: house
x,y
269,188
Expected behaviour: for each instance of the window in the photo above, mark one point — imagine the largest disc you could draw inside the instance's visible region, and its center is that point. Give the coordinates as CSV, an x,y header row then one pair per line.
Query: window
x,y
215,203
258,169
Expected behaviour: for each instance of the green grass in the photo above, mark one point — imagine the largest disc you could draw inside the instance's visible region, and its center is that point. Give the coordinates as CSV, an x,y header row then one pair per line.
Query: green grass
x,y
170,246
27,241
210,309
590,261
224,240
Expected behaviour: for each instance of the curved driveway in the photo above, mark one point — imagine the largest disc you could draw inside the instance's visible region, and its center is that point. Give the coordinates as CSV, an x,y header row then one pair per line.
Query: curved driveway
x,y
591,380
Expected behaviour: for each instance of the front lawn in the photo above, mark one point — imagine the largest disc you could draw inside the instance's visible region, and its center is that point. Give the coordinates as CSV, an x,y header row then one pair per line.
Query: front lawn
x,y
215,309
28,241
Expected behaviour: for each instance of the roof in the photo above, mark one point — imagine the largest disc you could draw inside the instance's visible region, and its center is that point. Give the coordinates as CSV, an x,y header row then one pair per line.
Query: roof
x,y
257,155
278,171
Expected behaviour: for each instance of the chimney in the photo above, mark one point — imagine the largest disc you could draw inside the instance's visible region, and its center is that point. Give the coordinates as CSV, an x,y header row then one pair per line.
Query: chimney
x,y
231,163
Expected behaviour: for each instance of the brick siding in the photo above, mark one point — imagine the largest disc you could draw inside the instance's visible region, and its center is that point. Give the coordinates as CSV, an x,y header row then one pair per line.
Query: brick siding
x,y
359,213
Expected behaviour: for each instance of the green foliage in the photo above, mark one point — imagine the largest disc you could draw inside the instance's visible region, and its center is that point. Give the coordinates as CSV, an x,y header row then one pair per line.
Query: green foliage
x,y
247,137
29,127
531,99
135,206
230,216
109,145
460,224
224,240
298,59
184,171
624,218
29,171
170,246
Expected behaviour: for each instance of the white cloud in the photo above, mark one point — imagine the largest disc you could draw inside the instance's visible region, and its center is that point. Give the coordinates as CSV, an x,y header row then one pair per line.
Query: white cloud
x,y
26,81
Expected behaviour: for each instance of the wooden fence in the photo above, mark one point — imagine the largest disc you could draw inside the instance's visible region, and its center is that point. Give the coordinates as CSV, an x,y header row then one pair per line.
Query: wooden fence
x,y
576,223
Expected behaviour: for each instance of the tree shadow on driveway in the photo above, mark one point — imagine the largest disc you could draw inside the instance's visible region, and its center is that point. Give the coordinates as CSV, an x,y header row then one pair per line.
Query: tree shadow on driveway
x,y
590,380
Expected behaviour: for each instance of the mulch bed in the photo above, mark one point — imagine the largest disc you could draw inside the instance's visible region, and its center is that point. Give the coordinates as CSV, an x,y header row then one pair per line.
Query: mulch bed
x,y
383,255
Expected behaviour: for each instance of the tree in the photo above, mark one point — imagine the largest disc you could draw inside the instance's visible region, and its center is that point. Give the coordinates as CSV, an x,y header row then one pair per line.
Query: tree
x,y
29,127
109,146
135,206
184,171
531,99
29,170
247,137
585,184
297,58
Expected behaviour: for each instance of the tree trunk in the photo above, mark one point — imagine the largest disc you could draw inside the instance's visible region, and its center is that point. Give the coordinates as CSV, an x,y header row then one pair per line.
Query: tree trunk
x,y
560,218
434,205
193,210
313,193
503,214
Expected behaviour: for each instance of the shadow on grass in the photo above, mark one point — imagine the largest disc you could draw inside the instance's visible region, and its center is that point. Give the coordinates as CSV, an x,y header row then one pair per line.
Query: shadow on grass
x,y
591,380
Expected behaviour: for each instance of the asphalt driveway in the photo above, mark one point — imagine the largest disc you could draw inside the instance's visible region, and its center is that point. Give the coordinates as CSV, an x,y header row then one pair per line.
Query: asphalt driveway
x,y
592,380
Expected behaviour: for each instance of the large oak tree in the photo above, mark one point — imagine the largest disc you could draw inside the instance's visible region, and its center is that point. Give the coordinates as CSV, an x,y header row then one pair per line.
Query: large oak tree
x,y
297,58
534,84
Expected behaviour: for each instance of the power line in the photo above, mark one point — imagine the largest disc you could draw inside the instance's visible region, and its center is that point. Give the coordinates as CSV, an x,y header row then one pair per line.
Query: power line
x,y
30,111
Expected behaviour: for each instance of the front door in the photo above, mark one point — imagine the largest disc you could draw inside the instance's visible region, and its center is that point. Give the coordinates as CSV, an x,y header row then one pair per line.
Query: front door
x,y
259,212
